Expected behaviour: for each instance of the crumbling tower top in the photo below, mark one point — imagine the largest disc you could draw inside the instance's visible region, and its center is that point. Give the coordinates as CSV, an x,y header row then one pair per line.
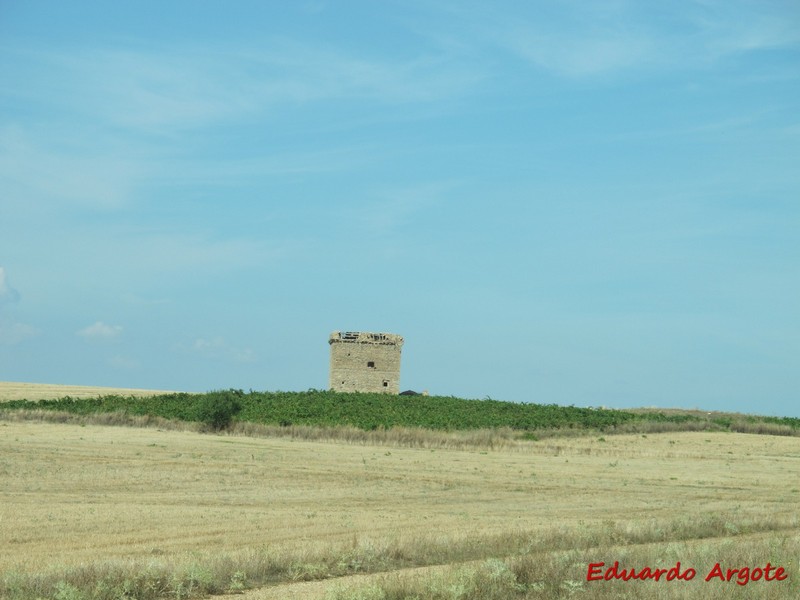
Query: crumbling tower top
x,y
364,337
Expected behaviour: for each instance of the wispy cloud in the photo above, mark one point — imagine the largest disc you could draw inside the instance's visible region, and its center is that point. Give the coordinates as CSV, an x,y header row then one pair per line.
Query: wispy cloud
x,y
397,207
71,173
580,56
138,300
219,348
579,39
199,254
588,39
117,119
100,331
162,90
13,333
123,363
7,293
238,170
726,28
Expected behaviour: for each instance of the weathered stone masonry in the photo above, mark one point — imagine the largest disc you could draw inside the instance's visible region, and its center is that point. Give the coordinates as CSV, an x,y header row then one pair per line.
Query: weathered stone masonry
x,y
365,362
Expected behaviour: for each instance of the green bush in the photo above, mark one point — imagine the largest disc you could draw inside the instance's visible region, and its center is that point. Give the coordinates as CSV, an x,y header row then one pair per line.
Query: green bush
x,y
216,410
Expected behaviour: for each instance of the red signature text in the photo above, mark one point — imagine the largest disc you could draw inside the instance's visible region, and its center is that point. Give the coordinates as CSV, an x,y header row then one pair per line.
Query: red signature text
x,y
741,575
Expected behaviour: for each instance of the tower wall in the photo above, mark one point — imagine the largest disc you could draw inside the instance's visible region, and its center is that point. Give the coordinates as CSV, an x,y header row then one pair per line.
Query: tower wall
x,y
365,362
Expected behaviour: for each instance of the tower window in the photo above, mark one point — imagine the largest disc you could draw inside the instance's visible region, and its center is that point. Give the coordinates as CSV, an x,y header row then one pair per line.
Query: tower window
x,y
371,364
385,384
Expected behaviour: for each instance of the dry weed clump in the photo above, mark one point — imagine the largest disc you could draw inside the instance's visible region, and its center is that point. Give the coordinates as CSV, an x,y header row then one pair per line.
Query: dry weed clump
x,y
651,427
762,428
402,437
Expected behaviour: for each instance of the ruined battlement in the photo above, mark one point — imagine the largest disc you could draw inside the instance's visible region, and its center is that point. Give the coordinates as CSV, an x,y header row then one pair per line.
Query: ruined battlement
x,y
363,337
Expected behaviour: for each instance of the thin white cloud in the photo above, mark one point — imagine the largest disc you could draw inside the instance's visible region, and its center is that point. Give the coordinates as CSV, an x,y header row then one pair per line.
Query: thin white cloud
x,y
579,56
236,171
587,39
726,28
219,348
169,89
117,117
54,169
14,333
7,293
400,206
138,300
100,331
11,331
198,253
123,363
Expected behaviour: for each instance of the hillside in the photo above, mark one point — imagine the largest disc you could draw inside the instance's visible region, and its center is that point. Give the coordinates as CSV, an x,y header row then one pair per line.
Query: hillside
x,y
371,412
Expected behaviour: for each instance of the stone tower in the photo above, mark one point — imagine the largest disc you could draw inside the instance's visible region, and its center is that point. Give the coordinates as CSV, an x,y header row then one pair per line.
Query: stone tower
x,y
365,362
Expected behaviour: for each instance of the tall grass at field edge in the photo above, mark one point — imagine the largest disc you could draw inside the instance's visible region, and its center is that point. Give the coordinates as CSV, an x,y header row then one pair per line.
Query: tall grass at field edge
x,y
198,576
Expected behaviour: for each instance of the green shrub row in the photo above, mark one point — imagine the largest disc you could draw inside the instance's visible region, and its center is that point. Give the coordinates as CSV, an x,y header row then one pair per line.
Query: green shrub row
x,y
217,409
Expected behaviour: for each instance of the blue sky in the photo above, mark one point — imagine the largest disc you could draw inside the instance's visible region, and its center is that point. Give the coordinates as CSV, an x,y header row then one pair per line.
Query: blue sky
x,y
588,203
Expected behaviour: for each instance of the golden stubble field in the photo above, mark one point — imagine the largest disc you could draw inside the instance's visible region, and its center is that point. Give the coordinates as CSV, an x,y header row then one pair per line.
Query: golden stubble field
x,y
76,495
11,390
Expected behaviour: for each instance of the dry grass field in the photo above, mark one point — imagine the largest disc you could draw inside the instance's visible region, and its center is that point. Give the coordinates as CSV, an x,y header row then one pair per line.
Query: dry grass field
x,y
10,390
201,513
